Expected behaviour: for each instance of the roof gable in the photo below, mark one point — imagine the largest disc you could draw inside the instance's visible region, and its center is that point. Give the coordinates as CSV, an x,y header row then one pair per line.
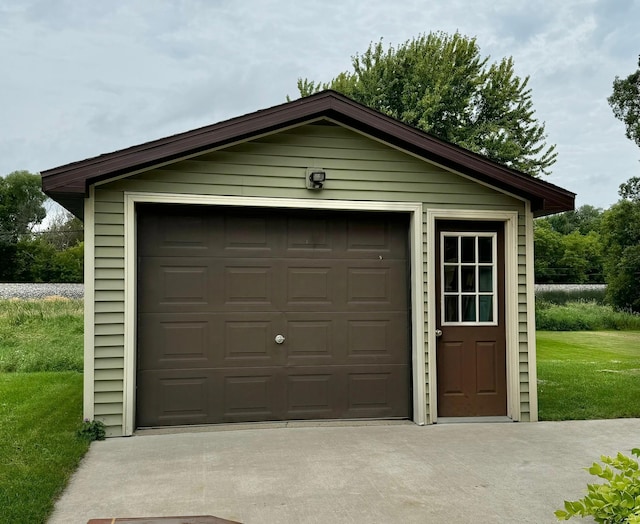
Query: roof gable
x,y
69,184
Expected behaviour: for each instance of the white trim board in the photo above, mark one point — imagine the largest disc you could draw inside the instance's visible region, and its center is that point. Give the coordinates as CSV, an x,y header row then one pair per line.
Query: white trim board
x,y
510,220
417,277
89,306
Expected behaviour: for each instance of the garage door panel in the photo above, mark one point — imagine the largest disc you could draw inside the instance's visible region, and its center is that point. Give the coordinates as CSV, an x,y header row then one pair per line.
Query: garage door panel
x,y
180,397
249,395
171,341
310,339
309,236
375,338
376,237
249,342
377,391
311,395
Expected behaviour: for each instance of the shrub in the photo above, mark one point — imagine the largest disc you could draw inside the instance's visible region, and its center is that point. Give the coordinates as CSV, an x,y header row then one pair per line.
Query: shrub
x,y
583,316
615,501
92,430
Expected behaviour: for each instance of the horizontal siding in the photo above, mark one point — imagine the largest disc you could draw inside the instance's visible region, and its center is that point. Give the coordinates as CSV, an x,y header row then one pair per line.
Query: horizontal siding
x,y
358,168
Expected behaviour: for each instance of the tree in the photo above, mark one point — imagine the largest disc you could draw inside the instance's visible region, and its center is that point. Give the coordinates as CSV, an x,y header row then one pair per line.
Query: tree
x,y
625,102
584,220
440,84
21,200
21,209
621,247
572,258
64,231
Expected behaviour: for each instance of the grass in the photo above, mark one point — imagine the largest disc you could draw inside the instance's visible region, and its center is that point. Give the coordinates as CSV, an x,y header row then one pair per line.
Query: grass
x,y
583,316
562,296
41,335
588,375
40,404
39,449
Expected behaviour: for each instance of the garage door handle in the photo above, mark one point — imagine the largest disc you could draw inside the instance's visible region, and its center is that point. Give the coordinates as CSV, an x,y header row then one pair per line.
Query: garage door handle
x,y
279,339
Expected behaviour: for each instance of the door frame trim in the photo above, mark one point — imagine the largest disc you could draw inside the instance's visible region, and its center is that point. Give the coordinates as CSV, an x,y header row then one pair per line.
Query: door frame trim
x,y
415,210
510,220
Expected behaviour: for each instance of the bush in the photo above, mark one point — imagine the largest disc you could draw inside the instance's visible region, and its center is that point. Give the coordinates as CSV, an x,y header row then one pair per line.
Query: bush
x,y
92,430
583,316
617,500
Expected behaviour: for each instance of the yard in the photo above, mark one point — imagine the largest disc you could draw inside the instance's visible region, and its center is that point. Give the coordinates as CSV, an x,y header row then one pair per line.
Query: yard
x,y
581,375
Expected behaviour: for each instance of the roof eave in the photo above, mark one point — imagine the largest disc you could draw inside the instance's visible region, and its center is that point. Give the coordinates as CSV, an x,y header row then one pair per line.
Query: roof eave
x,y
70,182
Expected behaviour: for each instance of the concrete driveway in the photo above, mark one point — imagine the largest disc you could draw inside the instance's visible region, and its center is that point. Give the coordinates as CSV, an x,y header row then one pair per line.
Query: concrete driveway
x,y
374,473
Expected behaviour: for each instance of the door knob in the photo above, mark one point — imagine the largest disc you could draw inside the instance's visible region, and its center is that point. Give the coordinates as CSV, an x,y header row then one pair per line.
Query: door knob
x,y
279,339
438,332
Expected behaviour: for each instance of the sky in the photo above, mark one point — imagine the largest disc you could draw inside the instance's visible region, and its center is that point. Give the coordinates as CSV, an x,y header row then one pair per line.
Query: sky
x,y
82,78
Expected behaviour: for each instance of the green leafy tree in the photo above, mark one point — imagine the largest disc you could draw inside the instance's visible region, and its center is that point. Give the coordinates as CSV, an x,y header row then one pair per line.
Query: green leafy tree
x,y
441,84
625,102
621,248
548,253
585,219
572,258
21,209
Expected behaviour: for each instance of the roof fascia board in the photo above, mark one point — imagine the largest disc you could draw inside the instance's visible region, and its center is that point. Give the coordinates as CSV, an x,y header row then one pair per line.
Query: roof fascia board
x,y
203,152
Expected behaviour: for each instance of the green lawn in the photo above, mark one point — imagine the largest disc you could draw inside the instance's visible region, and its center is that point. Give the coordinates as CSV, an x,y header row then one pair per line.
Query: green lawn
x,y
588,374
41,335
39,450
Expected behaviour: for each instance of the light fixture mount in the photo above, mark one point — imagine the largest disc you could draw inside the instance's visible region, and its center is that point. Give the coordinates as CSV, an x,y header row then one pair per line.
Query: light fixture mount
x,y
315,177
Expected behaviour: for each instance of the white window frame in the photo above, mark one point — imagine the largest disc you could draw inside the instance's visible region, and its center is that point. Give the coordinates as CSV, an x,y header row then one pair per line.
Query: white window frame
x,y
477,265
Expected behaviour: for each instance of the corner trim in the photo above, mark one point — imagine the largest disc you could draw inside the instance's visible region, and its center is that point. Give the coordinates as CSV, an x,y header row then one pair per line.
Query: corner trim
x,y
510,219
531,316
89,306
417,278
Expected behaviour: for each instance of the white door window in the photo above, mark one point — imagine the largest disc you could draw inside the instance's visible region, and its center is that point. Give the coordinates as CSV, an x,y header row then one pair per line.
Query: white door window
x,y
469,273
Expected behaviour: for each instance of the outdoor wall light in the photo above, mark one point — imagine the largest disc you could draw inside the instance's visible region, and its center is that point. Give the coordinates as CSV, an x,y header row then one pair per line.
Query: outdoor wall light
x,y
315,178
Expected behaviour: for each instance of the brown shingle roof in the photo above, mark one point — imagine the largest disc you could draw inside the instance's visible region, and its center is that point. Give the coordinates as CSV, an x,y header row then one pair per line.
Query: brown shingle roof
x,y
69,184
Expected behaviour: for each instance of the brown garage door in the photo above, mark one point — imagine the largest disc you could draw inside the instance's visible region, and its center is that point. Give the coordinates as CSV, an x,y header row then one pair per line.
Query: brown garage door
x,y
253,315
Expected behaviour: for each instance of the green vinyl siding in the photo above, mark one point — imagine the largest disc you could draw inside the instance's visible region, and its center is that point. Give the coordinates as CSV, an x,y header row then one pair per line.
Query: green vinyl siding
x,y
274,166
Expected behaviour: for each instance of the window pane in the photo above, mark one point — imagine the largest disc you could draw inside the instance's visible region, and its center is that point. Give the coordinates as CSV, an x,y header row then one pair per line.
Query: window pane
x,y
486,279
468,278
450,249
451,278
451,309
469,308
486,308
468,249
485,250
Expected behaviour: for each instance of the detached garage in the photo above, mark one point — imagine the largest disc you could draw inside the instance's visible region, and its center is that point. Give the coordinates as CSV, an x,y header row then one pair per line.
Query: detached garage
x,y
314,260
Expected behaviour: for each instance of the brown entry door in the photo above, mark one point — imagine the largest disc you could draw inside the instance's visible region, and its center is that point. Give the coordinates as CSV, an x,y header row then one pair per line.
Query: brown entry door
x,y
471,351
255,315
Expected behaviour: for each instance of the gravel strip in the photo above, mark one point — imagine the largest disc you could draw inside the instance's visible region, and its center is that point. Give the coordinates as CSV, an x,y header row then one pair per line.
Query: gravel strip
x,y
31,291
77,290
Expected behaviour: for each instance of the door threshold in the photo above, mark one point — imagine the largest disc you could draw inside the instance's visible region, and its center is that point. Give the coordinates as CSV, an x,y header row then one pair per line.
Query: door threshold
x,y
472,420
